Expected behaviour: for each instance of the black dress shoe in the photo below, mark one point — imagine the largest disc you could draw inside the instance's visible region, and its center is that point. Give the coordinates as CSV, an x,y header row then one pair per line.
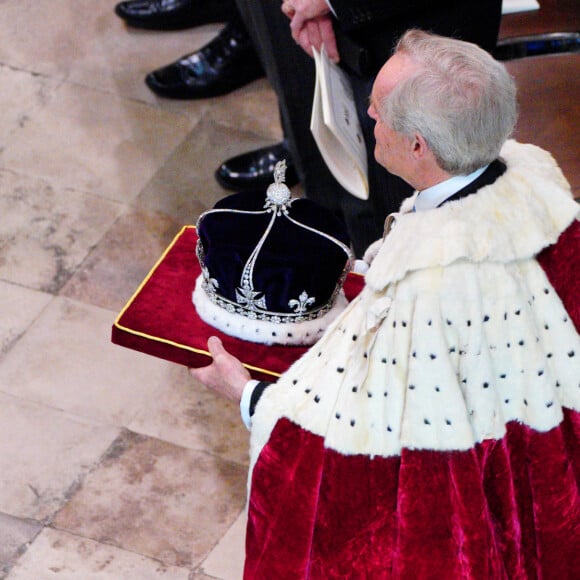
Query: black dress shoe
x,y
255,170
226,63
174,14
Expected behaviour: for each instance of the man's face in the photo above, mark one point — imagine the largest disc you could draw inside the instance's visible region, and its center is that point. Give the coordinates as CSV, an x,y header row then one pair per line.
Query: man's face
x,y
392,149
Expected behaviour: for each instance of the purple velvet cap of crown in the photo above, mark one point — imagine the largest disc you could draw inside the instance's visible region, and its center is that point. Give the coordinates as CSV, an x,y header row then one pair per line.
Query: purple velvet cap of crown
x,y
272,267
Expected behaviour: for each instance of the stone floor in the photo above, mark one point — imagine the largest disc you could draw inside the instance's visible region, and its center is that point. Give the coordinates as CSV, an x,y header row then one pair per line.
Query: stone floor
x,y
113,465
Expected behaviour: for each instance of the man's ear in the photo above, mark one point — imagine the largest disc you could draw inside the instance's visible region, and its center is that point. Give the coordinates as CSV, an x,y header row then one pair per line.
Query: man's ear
x,y
419,147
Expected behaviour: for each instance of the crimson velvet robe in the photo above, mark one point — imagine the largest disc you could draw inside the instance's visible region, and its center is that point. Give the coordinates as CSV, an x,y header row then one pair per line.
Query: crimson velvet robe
x,y
505,508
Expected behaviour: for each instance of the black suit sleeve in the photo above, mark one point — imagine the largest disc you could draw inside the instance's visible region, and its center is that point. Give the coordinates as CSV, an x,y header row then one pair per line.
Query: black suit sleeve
x,y
377,24
353,14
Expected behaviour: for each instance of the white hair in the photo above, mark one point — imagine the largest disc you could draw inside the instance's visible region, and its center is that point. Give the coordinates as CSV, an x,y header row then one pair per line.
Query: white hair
x,y
460,100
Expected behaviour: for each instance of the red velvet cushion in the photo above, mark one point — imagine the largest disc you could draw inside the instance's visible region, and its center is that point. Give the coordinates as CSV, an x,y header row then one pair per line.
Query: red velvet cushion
x,y
160,318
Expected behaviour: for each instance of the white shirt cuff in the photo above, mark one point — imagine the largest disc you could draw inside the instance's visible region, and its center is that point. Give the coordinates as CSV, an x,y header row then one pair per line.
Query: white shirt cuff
x,y
245,403
360,267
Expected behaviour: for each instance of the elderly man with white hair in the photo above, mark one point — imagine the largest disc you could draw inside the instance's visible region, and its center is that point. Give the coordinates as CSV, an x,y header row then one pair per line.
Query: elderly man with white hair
x,y
432,432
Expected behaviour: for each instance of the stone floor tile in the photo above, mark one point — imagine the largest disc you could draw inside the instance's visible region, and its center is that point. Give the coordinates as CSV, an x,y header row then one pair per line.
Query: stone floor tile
x,y
15,534
184,186
252,109
106,145
122,259
185,413
47,231
45,455
157,499
116,58
227,558
86,43
66,360
41,36
20,307
28,90
57,554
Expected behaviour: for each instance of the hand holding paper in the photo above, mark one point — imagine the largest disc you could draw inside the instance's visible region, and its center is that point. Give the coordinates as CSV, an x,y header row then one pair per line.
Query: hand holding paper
x,y
336,129
311,26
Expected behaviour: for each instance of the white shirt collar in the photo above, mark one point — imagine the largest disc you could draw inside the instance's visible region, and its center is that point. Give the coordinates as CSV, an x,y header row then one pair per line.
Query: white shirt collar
x,y
433,196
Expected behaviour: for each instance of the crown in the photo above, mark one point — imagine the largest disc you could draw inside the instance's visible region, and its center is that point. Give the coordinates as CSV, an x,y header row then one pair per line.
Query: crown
x,y
272,268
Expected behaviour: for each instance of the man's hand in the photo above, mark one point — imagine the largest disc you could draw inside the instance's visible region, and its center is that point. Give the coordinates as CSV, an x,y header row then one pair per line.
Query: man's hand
x,y
225,375
306,9
311,25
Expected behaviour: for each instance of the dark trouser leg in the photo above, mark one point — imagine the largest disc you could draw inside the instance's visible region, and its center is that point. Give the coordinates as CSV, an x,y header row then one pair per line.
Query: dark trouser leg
x,y
291,73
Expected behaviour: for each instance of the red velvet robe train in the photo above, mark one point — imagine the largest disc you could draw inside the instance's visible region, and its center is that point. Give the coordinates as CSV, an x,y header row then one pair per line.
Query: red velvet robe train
x,y
505,509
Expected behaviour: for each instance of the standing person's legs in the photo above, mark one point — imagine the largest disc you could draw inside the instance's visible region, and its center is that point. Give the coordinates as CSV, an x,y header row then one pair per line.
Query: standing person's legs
x,y
291,74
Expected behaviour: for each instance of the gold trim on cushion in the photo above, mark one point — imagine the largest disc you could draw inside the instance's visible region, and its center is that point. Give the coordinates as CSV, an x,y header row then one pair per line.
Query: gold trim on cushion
x,y
158,339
